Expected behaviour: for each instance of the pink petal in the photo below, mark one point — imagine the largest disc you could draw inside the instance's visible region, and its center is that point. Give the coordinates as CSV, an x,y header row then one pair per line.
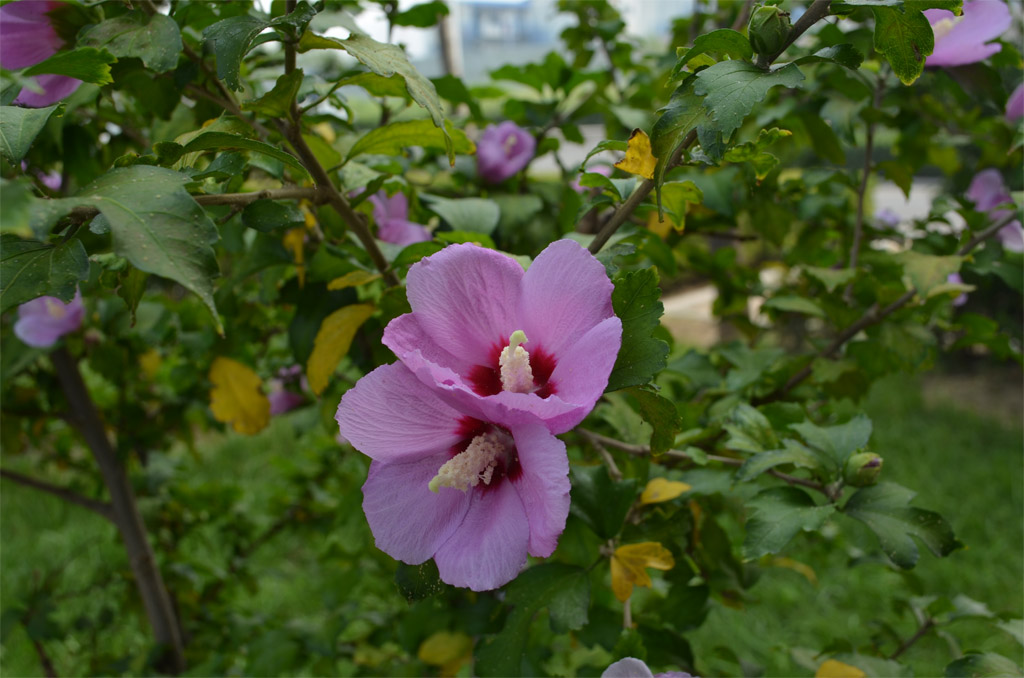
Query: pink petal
x,y
628,667
401,232
987,190
1012,237
1015,104
38,326
414,347
504,150
582,373
283,400
390,416
465,298
983,20
385,208
55,88
408,521
26,36
565,293
489,548
543,485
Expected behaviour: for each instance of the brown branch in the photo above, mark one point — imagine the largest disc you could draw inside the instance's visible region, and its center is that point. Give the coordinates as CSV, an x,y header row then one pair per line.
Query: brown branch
x,y
741,18
869,144
227,99
100,508
927,626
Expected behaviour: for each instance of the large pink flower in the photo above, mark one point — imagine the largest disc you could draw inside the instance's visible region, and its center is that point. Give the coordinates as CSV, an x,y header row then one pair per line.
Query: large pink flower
x,y
988,192
503,151
392,217
473,492
26,38
964,39
44,320
486,335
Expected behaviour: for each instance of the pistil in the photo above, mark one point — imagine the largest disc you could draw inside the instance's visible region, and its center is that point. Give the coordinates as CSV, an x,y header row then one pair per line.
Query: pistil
x,y
514,361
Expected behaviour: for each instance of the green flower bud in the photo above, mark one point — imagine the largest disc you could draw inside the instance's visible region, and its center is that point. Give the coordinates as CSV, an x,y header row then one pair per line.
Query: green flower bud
x,y
862,469
768,29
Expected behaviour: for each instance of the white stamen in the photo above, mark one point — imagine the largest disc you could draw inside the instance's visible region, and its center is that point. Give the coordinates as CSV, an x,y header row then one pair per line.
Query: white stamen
x,y
514,361
469,468
55,309
942,28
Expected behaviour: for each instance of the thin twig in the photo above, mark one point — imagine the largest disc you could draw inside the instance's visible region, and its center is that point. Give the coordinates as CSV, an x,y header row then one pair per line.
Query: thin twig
x,y
927,626
100,508
858,225
741,18
606,456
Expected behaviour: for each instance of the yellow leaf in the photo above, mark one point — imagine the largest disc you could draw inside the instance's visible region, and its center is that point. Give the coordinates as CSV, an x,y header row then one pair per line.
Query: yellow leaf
x,y
150,363
332,343
630,563
835,669
447,650
352,279
639,159
658,227
796,566
237,398
293,242
662,489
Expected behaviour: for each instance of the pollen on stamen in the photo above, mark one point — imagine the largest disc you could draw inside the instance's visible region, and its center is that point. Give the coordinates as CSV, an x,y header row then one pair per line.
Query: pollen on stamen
x,y
514,361
55,310
472,466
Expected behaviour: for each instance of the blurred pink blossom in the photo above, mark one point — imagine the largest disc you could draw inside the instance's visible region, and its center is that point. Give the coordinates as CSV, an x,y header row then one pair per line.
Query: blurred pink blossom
x,y
503,150
42,321
282,396
27,38
629,667
987,191
965,39
1015,104
955,279
392,217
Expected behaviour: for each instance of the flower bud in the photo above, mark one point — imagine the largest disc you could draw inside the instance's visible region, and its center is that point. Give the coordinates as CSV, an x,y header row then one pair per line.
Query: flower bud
x,y
768,29
862,469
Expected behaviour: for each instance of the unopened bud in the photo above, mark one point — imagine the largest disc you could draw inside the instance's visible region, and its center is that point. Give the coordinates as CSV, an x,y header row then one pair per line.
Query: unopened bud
x,y
862,469
768,29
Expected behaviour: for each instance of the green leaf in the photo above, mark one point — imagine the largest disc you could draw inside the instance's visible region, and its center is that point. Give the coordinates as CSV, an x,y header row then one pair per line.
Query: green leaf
x,y
683,113
417,582
905,38
155,223
606,145
394,138
156,39
267,216
749,365
794,453
831,278
845,55
749,431
636,300
30,269
19,127
563,589
927,272
473,215
982,665
885,509
231,39
781,513
422,15
377,85
661,414
277,102
837,442
723,41
677,196
85,63
795,304
732,88
219,141
599,501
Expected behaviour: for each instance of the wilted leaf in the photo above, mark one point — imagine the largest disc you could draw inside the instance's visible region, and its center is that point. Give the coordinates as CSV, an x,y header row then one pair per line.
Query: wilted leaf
x,y
831,668
639,159
630,563
352,279
662,489
332,343
236,397
446,649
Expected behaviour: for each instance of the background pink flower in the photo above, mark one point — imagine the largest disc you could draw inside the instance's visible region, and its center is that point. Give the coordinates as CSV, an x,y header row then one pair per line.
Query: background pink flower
x,y
1015,104
964,40
987,191
392,217
487,335
282,396
630,667
503,150
42,321
27,38
955,279
473,493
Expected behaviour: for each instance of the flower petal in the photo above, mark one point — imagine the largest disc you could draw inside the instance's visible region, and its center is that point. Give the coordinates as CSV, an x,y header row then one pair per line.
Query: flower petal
x,y
581,375
1015,104
465,297
408,521
391,416
566,292
415,348
402,232
543,485
987,190
627,667
26,35
983,20
55,88
489,548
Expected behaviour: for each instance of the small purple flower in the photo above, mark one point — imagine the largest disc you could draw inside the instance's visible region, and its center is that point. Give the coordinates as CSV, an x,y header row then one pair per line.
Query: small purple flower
x,y
392,217
27,38
42,321
503,151
955,279
987,191
1015,104
628,667
475,493
281,395
887,217
603,170
485,335
964,39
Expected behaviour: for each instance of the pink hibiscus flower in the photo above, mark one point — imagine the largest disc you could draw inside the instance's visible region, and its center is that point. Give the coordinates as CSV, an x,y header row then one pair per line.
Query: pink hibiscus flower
x,y
27,38
964,39
281,395
42,321
987,191
485,335
630,667
475,493
504,150
392,217
1015,104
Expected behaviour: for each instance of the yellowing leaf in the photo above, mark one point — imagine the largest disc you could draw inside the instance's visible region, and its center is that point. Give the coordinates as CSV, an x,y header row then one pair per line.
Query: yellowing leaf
x,y
237,398
629,565
293,242
836,669
657,226
795,565
149,362
332,343
447,650
662,489
352,279
639,159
